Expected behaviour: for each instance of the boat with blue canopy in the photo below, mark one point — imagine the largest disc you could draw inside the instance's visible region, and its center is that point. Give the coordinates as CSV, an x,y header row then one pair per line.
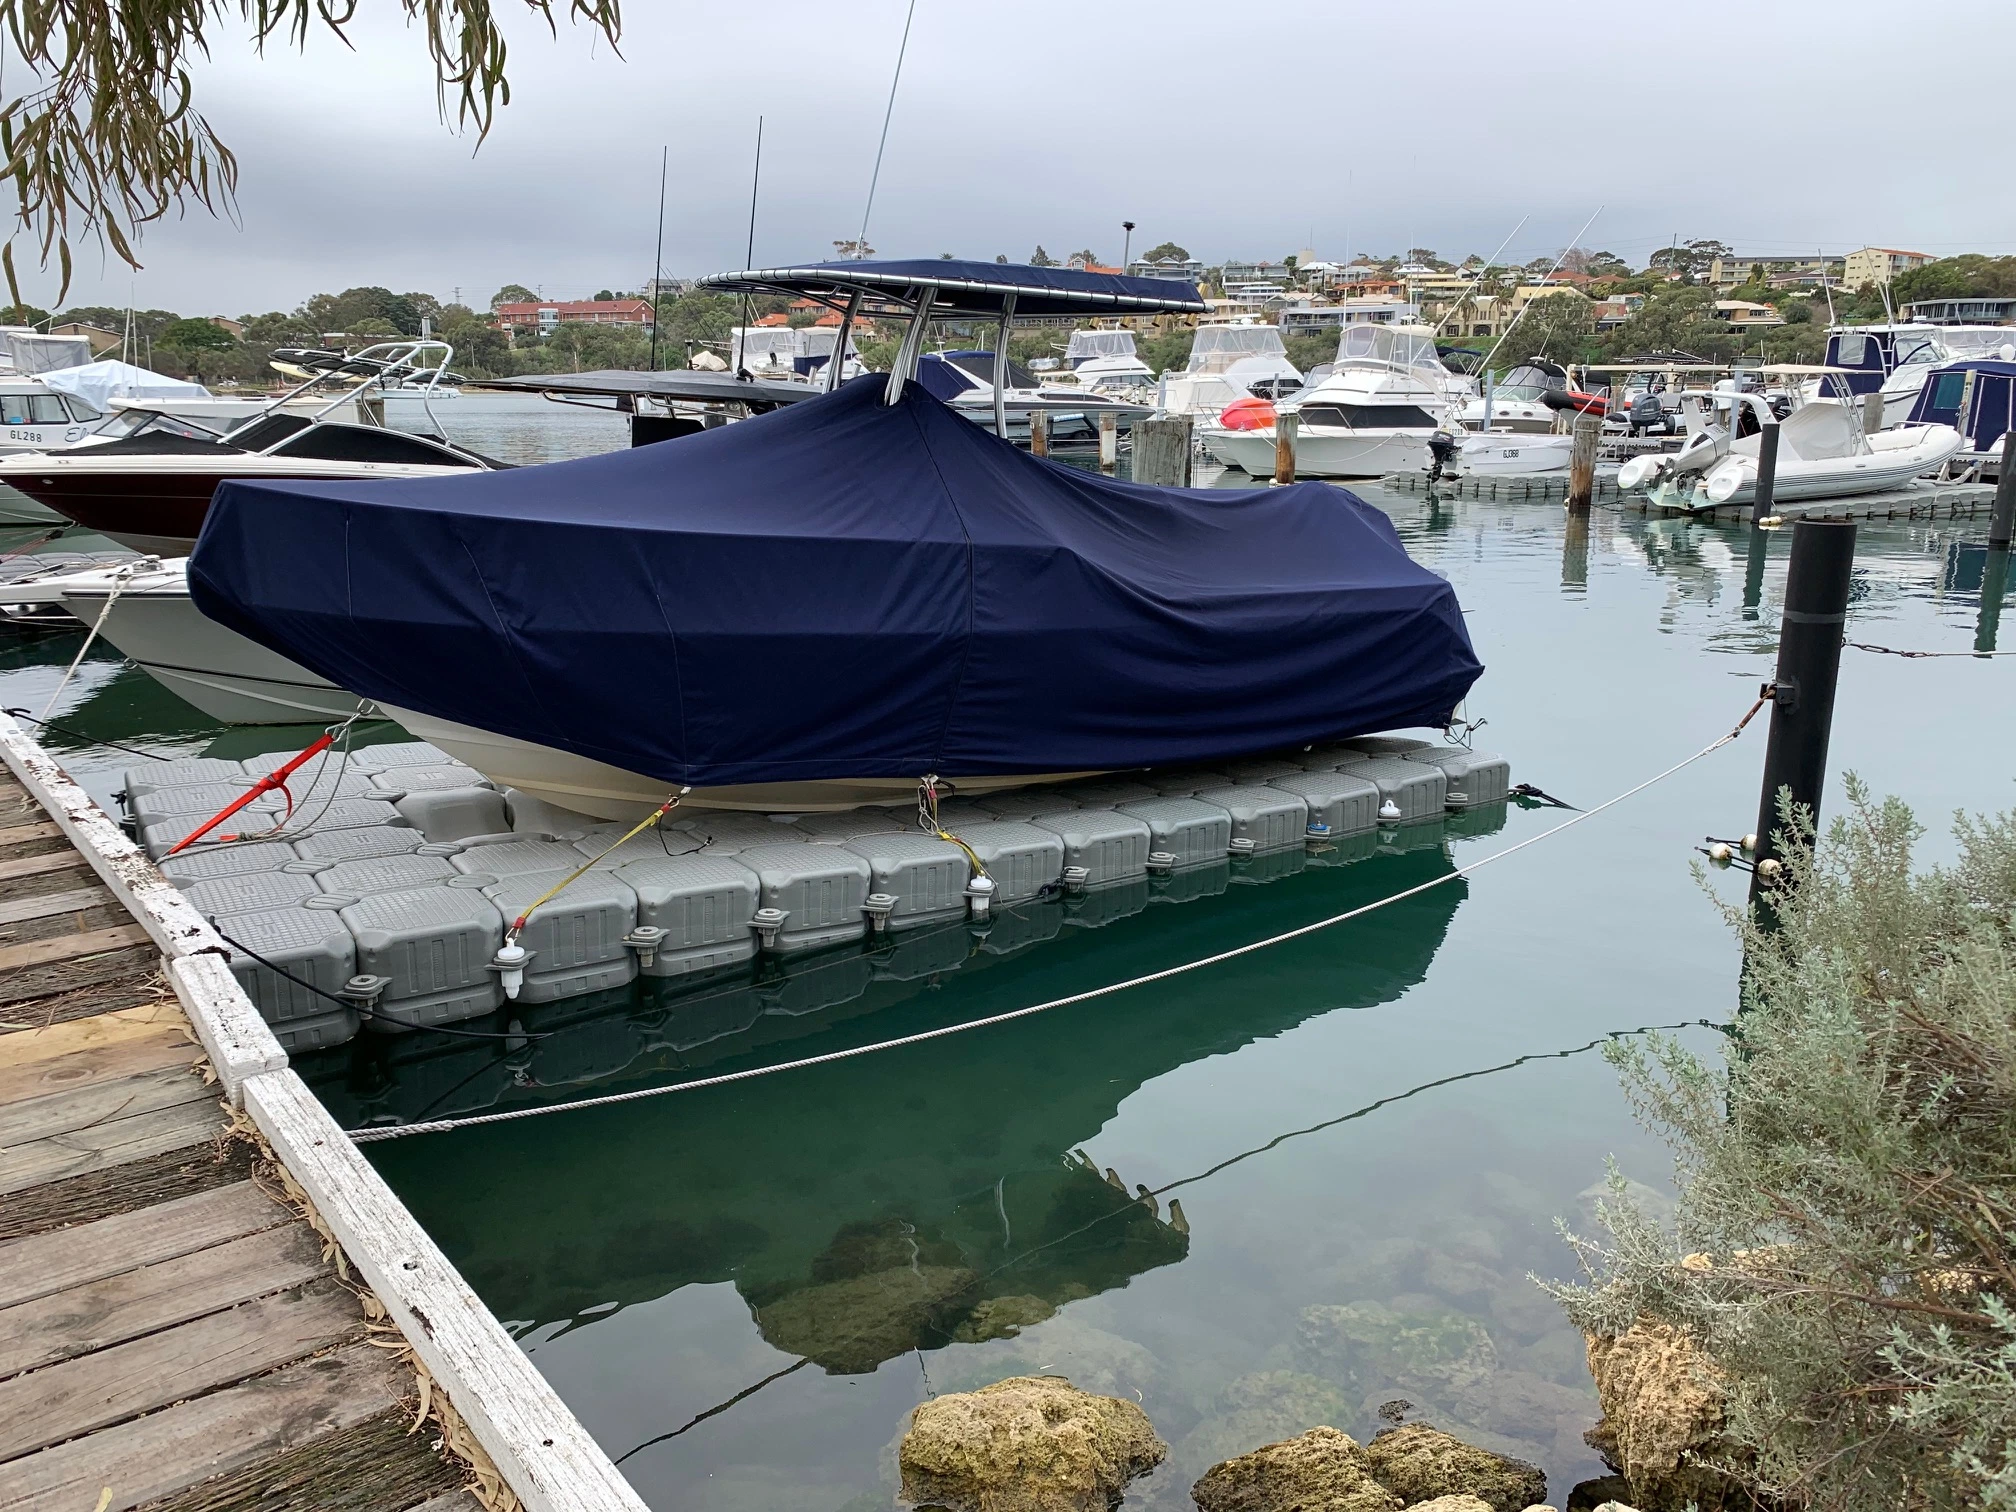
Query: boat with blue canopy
x,y
815,607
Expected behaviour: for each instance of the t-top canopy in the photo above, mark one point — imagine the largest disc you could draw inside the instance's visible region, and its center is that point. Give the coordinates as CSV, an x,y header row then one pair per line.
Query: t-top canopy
x,y
970,288
691,387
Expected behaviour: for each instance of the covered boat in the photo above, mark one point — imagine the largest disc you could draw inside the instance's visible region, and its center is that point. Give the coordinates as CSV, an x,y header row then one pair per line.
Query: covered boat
x,y
840,590
816,607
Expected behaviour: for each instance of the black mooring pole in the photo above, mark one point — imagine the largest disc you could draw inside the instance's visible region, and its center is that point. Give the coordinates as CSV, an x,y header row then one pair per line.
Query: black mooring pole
x,y
2004,522
1767,472
1809,662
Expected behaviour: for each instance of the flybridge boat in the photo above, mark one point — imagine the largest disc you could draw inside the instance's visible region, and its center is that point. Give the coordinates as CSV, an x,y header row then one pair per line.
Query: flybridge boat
x,y
1893,360
1105,362
149,486
1386,398
1228,363
816,607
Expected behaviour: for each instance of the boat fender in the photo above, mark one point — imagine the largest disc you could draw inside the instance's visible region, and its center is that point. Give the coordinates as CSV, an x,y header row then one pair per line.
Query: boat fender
x,y
980,897
1749,844
509,963
1389,812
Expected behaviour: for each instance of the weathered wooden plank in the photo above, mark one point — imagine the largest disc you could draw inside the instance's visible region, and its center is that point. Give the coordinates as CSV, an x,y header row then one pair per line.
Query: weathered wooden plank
x,y
58,1402
74,1109
106,913
35,866
160,1019
377,1466
17,834
88,1252
104,1313
169,1451
73,1154
19,910
69,947
125,1188
19,989
540,1447
92,1065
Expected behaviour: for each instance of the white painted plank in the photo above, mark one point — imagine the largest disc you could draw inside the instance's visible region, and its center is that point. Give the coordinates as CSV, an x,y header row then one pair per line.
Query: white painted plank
x,y
537,1444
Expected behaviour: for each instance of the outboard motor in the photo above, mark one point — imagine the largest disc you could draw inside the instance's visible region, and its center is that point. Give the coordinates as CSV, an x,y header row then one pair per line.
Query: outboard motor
x,y
1444,452
1647,413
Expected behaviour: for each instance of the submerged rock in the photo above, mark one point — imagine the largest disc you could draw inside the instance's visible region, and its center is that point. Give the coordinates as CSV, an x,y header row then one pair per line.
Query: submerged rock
x,y
853,1325
1262,1408
1002,1318
1419,1463
1662,1412
1026,1444
1322,1470
1366,1346
1094,1359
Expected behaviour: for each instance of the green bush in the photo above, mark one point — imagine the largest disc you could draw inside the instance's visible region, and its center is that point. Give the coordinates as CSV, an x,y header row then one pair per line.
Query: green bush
x,y
1845,1246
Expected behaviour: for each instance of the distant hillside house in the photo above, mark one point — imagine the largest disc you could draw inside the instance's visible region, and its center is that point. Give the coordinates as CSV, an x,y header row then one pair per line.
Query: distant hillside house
x,y
1745,313
1878,265
235,329
544,314
102,340
1778,272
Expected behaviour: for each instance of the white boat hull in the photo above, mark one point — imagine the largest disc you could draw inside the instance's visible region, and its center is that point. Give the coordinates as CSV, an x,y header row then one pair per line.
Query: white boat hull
x,y
594,788
1323,453
1496,456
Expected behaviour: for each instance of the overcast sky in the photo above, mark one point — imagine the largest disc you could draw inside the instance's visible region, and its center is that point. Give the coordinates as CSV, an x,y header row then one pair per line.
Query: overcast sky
x,y
1344,127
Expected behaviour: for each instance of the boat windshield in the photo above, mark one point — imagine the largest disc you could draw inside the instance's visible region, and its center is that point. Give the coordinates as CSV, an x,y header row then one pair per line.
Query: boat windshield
x,y
1218,347
1368,416
1920,347
1398,346
1977,341
1086,345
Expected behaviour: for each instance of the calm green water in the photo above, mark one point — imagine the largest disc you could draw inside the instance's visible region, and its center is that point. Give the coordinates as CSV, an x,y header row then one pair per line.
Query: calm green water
x,y
743,1291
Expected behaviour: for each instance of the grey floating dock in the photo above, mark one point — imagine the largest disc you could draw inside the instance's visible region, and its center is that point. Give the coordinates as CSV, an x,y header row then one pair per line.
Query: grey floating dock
x,y
1918,500
398,903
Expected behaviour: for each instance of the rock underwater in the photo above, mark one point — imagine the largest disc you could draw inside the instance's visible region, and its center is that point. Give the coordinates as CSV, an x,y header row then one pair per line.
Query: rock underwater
x,y
1026,1444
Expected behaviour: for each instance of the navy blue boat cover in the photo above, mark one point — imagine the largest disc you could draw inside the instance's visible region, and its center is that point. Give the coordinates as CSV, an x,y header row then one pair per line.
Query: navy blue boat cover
x,y
843,588
1991,401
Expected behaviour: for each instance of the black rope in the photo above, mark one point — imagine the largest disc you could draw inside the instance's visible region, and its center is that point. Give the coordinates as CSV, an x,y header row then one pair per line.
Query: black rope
x,y
1527,790
365,1013
110,745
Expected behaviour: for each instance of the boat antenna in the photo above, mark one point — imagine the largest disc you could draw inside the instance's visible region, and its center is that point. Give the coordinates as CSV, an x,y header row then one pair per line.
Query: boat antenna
x,y
658,253
1549,274
861,244
749,257
1827,288
1481,272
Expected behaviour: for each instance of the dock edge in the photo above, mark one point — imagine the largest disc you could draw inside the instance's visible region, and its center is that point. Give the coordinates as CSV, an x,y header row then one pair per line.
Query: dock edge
x,y
538,1446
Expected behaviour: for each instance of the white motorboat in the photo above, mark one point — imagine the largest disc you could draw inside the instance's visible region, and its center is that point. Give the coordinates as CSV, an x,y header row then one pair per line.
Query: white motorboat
x,y
1516,402
789,354
142,608
1228,362
1501,454
1894,359
964,380
1822,454
1385,399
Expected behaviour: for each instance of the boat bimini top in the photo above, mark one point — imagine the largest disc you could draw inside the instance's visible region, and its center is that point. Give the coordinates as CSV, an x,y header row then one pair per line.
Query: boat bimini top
x,y
945,288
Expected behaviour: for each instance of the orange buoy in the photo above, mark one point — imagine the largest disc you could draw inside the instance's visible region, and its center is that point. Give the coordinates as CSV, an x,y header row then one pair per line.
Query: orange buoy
x,y
1247,414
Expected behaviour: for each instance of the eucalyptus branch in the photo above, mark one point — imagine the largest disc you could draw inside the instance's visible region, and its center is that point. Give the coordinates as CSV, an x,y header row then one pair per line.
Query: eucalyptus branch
x,y
106,139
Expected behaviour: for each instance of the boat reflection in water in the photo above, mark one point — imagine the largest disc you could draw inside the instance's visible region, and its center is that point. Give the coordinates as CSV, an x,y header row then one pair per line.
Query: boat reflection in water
x,y
902,1200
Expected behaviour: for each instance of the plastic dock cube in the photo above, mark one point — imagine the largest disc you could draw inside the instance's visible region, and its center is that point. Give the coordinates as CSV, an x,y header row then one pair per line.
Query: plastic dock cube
x,y
1111,846
509,858
308,943
428,940
837,829
1272,818
702,902
1348,805
820,888
926,876
455,813
1474,777
1189,830
576,937
1023,859
226,861
188,772
356,844
1415,788
376,874
249,892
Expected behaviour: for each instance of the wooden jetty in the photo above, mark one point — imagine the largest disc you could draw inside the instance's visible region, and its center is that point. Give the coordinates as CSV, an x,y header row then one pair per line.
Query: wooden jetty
x,y
209,1301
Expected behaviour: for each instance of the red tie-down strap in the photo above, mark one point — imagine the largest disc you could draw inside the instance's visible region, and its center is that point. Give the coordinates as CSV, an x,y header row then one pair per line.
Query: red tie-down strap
x,y
277,778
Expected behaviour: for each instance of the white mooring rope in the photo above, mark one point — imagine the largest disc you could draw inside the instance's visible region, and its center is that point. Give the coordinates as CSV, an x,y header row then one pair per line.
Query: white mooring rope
x,y
444,1125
